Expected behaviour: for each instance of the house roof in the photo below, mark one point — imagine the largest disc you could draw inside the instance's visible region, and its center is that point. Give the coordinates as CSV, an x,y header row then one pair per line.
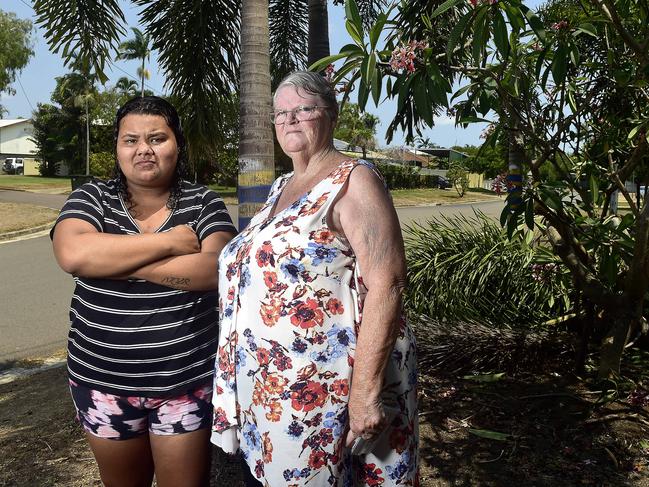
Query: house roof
x,y
440,151
6,122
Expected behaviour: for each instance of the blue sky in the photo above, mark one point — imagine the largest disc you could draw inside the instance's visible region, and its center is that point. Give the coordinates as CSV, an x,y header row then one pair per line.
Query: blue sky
x,y
36,81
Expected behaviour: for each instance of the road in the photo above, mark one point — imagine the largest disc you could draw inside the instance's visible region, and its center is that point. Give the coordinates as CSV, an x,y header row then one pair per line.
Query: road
x,y
35,293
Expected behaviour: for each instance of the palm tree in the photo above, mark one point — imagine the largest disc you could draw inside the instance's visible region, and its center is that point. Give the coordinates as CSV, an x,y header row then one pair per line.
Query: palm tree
x,y
126,87
137,48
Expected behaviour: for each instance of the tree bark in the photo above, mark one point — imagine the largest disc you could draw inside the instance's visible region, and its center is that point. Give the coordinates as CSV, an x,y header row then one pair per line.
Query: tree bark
x,y
613,347
256,161
318,31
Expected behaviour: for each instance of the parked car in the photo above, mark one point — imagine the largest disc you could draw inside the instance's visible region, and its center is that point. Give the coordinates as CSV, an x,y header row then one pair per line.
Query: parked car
x,y
13,165
443,183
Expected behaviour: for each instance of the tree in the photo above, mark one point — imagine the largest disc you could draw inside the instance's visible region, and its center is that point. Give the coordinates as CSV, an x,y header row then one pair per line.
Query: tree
x,y
566,90
356,128
137,48
15,49
127,87
459,178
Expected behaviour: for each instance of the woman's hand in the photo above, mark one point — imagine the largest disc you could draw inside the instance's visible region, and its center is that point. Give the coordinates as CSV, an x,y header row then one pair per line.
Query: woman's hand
x,y
366,417
183,240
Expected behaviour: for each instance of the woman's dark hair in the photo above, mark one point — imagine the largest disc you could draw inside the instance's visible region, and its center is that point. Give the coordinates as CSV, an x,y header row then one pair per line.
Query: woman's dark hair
x,y
153,105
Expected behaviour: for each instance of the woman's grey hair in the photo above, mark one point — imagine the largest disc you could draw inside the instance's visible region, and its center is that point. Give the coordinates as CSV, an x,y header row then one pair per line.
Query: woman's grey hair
x,y
313,84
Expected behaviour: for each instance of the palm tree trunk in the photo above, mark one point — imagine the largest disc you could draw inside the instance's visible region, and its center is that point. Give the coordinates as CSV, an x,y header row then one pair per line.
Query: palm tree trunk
x,y
142,78
87,138
318,31
256,161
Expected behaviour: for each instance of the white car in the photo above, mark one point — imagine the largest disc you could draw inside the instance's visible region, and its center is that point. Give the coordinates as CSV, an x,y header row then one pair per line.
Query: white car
x,y
13,165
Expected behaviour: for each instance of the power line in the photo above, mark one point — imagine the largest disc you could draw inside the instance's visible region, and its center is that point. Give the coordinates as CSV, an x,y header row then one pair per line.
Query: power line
x,y
113,65
25,93
26,4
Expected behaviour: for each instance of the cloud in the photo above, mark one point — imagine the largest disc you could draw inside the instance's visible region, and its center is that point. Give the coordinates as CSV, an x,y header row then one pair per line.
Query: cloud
x,y
446,120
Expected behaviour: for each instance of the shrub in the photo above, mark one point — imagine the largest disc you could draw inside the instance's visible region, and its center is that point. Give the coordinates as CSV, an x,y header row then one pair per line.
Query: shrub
x,y
102,164
459,178
467,269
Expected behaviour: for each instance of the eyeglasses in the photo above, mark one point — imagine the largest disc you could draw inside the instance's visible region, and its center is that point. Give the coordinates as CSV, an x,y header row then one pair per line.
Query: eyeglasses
x,y
301,114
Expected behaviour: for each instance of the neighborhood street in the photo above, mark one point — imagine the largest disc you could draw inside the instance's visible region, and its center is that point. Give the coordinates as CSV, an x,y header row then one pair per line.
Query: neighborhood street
x,y
35,294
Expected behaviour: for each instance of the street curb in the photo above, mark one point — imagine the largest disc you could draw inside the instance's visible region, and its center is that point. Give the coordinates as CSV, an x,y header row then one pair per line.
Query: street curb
x,y
26,231
10,375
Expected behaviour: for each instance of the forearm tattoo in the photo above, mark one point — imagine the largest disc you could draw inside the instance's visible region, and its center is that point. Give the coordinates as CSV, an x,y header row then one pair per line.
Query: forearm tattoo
x,y
172,281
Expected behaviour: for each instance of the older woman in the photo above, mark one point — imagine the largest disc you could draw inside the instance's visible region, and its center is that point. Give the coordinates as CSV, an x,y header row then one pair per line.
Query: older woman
x,y
143,248
316,380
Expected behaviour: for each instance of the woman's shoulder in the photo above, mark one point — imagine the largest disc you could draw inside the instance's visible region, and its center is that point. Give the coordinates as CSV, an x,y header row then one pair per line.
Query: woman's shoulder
x,y
198,192
97,188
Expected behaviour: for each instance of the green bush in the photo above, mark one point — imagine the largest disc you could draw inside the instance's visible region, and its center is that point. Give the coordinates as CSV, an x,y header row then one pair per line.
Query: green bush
x,y
406,177
459,178
102,164
467,269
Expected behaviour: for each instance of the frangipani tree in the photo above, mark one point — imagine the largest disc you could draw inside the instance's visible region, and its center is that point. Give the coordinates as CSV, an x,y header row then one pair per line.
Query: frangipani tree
x,y
568,88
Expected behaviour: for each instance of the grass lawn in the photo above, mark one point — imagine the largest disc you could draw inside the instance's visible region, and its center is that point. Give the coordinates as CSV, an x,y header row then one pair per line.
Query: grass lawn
x,y
429,196
18,216
401,197
34,183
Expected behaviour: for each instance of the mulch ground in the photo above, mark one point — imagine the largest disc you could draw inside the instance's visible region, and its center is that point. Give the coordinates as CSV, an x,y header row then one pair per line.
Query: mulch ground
x,y
526,431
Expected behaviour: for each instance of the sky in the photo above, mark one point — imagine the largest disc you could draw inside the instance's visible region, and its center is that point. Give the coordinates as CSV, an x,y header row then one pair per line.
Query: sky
x,y
37,80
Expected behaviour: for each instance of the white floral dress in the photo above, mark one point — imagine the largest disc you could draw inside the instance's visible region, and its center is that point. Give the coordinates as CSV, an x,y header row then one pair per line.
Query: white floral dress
x,y
291,302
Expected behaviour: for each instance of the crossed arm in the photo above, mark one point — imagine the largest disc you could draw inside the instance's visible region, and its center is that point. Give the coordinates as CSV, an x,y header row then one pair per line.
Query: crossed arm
x,y
175,258
368,219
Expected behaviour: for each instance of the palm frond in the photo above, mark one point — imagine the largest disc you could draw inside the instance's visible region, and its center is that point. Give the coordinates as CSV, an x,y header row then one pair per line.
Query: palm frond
x,y
198,45
86,31
288,22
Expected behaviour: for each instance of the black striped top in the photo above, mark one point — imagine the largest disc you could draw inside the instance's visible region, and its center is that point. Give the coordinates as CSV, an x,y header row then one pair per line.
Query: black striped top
x,y
134,337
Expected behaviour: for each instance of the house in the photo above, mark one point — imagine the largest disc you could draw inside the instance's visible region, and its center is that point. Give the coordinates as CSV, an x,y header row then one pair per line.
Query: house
x,y
357,152
16,141
450,155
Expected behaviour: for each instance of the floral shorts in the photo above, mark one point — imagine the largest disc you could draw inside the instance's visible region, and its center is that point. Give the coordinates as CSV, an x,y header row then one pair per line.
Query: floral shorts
x,y
125,417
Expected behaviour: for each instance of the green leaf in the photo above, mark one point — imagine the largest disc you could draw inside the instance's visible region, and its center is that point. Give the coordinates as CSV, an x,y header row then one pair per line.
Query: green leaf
x,y
514,15
377,28
345,69
422,103
326,61
456,34
560,64
370,69
354,32
574,54
376,87
351,49
534,22
550,198
501,37
404,90
594,189
480,34
448,4
485,377
529,213
634,131
571,101
352,14
363,93
587,28
490,435
462,90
